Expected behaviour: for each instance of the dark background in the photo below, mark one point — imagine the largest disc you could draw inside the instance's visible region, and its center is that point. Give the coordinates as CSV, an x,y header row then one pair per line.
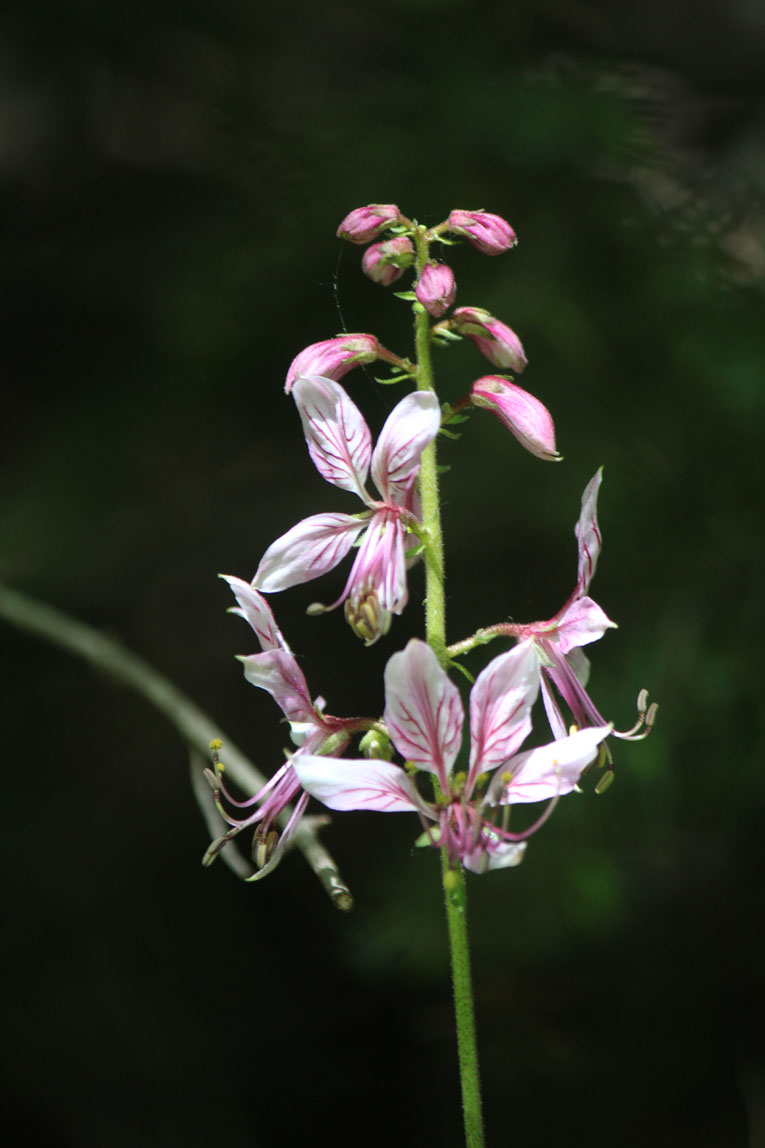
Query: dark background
x,y
172,178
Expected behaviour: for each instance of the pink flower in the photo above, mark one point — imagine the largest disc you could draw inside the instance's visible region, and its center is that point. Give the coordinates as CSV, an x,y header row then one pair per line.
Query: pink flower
x,y
494,339
424,717
523,415
276,671
385,262
491,234
340,445
364,223
436,288
332,358
558,641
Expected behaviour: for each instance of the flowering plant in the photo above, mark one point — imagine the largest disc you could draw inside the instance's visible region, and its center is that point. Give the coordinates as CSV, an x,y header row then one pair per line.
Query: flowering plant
x,y
464,812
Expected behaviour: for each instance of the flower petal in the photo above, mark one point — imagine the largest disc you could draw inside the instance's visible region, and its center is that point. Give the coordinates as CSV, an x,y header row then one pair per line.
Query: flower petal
x,y
314,546
411,426
338,438
277,672
350,783
550,771
423,710
588,535
581,622
253,607
500,708
488,855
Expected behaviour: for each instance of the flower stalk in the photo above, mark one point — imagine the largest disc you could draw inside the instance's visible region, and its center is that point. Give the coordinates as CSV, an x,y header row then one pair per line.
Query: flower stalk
x,y
455,893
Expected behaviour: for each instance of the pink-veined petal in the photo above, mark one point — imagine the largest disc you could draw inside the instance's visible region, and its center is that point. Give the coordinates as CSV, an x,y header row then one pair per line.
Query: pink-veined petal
x,y
342,783
423,710
588,535
253,607
409,428
500,708
550,771
314,546
277,672
338,438
381,564
581,622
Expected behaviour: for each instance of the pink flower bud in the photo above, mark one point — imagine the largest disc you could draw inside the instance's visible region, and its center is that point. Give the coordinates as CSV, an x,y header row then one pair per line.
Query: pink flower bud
x,y
365,223
384,262
495,340
436,288
332,358
523,415
489,233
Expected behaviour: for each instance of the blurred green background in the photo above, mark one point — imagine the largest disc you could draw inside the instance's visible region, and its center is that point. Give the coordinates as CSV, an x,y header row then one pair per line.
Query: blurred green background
x,y
172,175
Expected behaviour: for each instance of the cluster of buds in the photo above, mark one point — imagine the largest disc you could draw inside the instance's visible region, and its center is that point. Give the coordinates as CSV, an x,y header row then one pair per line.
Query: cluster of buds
x,y
466,813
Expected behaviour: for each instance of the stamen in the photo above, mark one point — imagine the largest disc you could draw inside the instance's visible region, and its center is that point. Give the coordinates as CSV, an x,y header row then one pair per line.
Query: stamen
x,y
646,718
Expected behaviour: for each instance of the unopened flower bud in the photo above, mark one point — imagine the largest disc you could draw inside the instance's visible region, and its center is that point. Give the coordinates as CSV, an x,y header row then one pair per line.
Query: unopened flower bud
x,y
491,234
332,358
436,288
522,414
494,339
364,223
385,262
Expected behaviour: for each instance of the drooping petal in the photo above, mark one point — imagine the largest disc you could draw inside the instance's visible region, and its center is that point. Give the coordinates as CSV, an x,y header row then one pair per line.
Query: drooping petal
x,y
338,438
409,428
588,535
342,783
550,771
253,607
581,622
500,708
552,709
314,546
490,855
277,672
423,710
380,564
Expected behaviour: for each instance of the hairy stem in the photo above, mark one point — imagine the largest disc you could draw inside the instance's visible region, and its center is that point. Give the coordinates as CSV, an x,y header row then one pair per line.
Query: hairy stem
x,y
455,900
455,896
435,597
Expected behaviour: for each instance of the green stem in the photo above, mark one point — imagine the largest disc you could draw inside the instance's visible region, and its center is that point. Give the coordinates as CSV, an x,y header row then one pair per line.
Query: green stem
x,y
455,900
455,896
435,597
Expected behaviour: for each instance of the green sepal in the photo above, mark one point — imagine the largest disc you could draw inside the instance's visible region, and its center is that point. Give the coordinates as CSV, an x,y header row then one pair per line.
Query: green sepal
x,y
407,296
462,670
393,379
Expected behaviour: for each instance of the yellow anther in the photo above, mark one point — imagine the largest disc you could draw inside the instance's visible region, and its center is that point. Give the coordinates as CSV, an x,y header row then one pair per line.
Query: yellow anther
x,y
216,744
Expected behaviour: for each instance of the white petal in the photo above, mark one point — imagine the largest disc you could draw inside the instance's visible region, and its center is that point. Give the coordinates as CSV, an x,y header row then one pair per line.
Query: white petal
x,y
253,607
308,550
344,783
581,622
423,710
277,672
338,438
500,708
588,534
410,427
550,771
